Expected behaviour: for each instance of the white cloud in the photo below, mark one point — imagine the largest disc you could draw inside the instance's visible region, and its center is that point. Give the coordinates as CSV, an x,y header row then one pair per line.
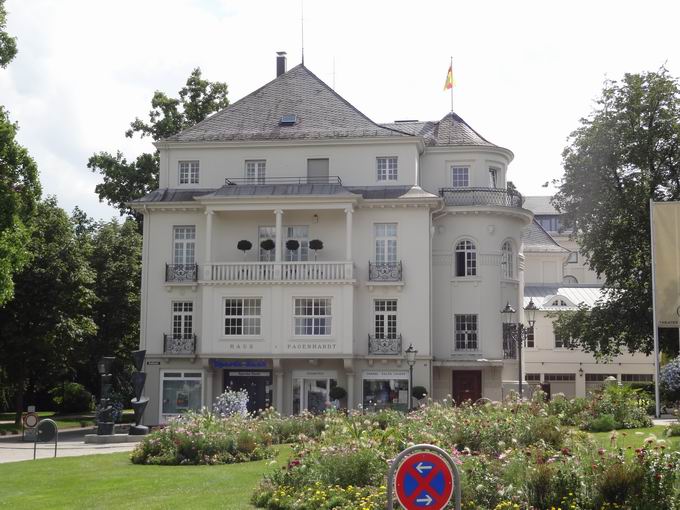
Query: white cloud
x,y
526,71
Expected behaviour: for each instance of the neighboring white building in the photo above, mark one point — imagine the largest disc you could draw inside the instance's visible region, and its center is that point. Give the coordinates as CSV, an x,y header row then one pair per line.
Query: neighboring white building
x,y
557,278
422,245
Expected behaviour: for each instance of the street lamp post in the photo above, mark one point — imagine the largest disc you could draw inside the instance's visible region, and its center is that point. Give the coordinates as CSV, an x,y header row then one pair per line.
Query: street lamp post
x,y
516,334
411,360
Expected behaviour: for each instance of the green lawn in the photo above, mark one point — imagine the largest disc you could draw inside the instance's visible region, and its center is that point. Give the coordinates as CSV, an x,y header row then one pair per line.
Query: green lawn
x,y
112,481
635,437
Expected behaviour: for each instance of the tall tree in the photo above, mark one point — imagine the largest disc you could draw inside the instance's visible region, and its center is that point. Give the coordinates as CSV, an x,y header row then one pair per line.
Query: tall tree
x,y
19,185
114,254
626,152
127,180
49,317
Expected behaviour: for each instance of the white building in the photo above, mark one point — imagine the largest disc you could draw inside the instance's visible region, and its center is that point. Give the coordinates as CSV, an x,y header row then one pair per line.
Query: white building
x,y
421,246
557,278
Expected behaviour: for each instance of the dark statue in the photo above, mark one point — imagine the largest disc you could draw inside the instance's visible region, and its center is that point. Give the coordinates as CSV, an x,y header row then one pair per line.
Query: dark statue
x,y
139,403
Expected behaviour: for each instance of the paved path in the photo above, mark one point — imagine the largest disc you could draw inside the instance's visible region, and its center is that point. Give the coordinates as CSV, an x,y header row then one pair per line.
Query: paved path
x,y
13,449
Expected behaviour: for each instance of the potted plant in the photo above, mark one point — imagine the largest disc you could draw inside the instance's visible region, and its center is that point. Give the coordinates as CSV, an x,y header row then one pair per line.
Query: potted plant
x,y
268,245
292,245
244,245
315,244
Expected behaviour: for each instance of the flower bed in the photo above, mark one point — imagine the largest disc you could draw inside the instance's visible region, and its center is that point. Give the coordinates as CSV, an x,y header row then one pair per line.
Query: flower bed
x,y
204,438
512,456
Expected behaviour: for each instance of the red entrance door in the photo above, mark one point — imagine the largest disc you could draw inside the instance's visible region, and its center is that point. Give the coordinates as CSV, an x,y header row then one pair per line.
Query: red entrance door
x,y
467,385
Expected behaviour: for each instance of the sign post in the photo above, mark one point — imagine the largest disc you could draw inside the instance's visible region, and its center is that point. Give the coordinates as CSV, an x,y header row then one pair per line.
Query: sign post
x,y
423,477
46,433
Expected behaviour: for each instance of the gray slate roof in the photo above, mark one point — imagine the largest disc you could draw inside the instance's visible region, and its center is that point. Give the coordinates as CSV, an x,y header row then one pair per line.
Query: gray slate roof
x,y
536,239
337,190
241,190
451,130
321,113
539,205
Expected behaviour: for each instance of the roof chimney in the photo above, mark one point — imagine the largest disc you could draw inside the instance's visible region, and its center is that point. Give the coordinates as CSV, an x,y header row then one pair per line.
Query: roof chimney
x,y
280,63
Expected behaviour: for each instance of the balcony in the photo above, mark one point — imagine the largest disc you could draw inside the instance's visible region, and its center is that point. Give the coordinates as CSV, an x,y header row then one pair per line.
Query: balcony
x,y
491,197
179,344
384,271
378,345
279,272
181,273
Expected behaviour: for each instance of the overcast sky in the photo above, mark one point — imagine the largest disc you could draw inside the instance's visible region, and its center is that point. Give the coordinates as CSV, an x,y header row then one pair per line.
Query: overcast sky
x,y
526,71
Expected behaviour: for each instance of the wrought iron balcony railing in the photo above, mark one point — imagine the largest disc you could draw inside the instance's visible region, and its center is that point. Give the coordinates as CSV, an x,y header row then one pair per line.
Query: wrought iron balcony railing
x,y
179,344
383,345
181,272
497,197
268,181
384,271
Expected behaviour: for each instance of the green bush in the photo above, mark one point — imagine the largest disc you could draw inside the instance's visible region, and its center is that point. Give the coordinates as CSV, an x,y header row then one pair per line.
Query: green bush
x,y
672,430
419,392
604,423
71,398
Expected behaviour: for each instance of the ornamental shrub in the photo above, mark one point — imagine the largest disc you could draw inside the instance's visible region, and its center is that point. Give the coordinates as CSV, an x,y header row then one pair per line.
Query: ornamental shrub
x,y
71,397
670,381
231,403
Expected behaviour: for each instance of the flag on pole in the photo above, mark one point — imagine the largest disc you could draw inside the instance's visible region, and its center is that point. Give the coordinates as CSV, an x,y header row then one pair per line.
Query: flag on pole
x,y
449,79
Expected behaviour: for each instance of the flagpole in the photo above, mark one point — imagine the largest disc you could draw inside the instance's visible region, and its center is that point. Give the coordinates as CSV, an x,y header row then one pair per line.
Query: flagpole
x,y
451,87
657,399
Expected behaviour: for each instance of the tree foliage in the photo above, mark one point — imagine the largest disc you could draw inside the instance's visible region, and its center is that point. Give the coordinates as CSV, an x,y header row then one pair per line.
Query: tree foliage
x,y
8,44
49,317
125,180
626,152
19,185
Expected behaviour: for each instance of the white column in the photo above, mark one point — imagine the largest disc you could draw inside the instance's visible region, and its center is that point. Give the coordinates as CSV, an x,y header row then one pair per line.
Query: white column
x,y
207,270
279,392
279,235
348,233
208,235
350,390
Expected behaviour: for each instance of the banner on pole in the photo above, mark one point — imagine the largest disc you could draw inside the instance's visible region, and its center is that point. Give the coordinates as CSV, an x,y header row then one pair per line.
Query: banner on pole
x,y
666,262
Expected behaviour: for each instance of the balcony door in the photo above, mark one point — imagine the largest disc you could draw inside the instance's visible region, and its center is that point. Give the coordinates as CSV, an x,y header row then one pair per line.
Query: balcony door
x,y
184,247
385,243
317,170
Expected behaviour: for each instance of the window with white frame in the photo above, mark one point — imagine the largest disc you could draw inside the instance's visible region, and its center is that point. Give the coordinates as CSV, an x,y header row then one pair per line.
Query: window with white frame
x,y
181,391
460,177
563,343
182,319
532,377
387,168
530,337
559,302
312,316
569,280
188,172
184,245
256,171
243,316
466,258
385,318
628,378
466,332
493,177
559,377
385,242
507,260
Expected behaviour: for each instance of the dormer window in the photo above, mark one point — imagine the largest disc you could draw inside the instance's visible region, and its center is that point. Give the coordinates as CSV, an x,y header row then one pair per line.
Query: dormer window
x,y
288,120
188,172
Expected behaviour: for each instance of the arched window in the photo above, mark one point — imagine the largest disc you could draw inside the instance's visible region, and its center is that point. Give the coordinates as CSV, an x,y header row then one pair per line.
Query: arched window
x,y
507,261
570,280
466,259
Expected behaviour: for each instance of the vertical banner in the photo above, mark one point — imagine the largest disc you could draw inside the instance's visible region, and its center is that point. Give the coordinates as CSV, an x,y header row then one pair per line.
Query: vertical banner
x,y
666,262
